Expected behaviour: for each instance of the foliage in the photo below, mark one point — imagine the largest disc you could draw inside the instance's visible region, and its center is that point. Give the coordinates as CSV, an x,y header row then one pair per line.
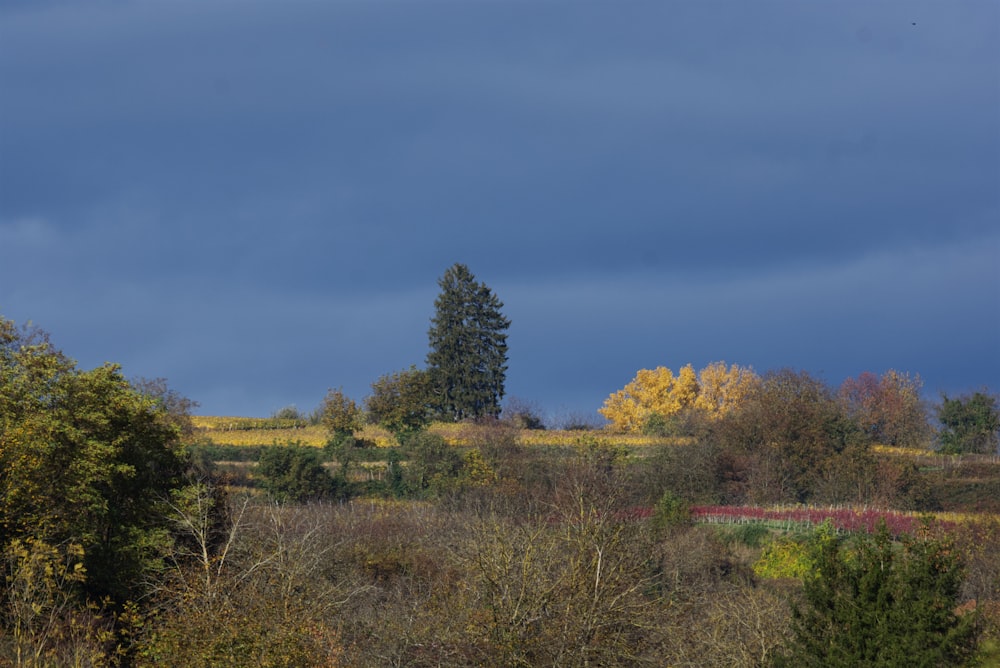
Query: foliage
x,y
652,391
295,472
176,408
434,466
224,424
721,389
229,453
86,459
289,413
752,535
797,440
969,424
670,511
468,347
655,398
339,414
869,603
39,606
784,557
261,599
401,401
888,409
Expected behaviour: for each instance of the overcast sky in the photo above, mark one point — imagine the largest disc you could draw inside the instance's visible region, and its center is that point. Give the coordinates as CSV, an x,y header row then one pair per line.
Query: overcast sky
x,y
255,199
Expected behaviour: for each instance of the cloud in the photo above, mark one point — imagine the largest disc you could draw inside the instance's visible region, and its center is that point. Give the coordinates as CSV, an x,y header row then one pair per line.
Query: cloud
x,y
256,198
922,309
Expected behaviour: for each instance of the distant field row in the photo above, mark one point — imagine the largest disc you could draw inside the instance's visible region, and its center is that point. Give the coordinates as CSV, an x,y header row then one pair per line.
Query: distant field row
x,y
224,430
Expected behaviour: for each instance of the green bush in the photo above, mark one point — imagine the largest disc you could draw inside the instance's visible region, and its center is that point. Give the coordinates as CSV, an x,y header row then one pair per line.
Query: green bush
x,y
434,466
670,511
295,472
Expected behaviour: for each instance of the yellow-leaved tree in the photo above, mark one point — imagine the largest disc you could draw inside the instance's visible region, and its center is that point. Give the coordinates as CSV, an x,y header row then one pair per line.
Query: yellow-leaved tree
x,y
715,390
722,390
652,392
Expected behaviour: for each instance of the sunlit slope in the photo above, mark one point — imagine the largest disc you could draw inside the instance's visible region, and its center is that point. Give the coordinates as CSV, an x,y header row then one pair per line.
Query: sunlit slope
x,y
232,430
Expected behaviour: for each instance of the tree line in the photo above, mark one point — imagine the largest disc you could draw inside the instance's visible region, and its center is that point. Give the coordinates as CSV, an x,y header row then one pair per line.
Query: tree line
x,y
883,410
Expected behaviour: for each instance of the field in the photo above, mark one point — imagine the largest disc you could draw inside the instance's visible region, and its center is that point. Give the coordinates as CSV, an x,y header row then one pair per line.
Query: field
x,y
227,430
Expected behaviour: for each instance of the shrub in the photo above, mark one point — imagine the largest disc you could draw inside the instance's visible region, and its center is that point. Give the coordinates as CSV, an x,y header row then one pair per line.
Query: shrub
x,y
670,511
295,472
434,466
288,413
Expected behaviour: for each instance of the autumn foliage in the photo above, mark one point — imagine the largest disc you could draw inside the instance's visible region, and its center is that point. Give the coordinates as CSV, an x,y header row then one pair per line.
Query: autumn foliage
x,y
659,394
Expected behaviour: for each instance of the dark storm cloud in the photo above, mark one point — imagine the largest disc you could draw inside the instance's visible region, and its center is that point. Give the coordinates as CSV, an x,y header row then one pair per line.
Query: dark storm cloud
x,y
255,199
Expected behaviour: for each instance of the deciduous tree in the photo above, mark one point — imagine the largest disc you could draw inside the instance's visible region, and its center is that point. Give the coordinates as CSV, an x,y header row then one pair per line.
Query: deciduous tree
x,y
794,433
401,401
888,408
468,347
969,423
653,392
84,458
722,390
295,472
657,396
339,414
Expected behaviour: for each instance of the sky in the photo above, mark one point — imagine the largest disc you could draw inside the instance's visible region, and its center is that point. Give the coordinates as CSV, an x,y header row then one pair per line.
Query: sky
x,y
255,199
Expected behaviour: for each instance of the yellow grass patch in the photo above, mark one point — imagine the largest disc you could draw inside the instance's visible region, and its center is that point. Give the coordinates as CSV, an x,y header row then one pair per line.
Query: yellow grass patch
x,y
896,450
232,430
257,431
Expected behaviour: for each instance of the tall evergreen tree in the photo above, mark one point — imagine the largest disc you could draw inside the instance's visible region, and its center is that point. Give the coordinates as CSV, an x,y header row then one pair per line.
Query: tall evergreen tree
x,y
467,361
879,604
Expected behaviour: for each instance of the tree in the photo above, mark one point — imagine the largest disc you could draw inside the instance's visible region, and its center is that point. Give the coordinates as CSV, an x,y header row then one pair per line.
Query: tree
x,y
722,390
888,408
400,402
468,347
176,407
796,436
655,397
875,604
339,414
86,459
969,424
653,393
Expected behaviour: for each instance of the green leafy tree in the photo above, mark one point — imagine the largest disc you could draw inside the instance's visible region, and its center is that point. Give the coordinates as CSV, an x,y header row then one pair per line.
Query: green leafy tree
x,y
969,424
339,414
400,402
468,347
86,459
873,603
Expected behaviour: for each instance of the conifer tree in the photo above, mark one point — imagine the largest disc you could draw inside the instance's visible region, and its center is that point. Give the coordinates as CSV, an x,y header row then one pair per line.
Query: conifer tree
x,y
467,361
879,604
